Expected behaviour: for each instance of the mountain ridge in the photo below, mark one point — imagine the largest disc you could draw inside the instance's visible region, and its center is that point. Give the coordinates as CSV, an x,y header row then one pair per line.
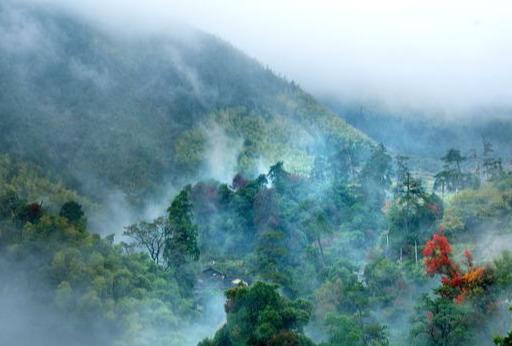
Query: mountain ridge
x,y
72,91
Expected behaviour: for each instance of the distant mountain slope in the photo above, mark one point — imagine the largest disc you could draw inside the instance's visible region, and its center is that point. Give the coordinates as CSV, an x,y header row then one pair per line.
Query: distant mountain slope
x,y
426,138
30,184
103,111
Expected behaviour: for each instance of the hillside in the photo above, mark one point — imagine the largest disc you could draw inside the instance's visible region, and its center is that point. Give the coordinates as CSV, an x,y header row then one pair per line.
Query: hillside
x,y
102,111
426,135
162,188
328,258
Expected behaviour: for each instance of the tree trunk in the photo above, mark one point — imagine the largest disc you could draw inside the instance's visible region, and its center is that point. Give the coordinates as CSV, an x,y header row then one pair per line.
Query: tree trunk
x,y
321,249
416,251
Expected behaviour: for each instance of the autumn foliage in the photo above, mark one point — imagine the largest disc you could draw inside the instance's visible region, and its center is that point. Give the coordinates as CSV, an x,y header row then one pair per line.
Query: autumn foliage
x,y
437,255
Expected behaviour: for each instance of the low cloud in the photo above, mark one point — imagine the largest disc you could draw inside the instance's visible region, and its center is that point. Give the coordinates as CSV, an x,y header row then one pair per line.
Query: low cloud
x,y
451,58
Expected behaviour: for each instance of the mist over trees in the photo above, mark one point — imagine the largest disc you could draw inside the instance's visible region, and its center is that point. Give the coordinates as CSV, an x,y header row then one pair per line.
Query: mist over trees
x,y
167,190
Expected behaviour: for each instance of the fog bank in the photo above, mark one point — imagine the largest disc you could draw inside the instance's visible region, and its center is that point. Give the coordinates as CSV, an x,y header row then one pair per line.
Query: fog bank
x,y
450,59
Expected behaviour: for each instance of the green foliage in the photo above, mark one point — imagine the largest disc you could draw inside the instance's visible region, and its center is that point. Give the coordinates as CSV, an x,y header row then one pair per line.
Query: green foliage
x,y
72,211
453,157
492,166
488,205
259,315
98,90
502,272
181,239
377,170
413,217
341,292
101,291
453,316
452,178
345,330
504,340
150,236
278,176
266,137
190,147
282,228
10,204
384,279
98,113
99,287
342,308
441,322
20,181
272,254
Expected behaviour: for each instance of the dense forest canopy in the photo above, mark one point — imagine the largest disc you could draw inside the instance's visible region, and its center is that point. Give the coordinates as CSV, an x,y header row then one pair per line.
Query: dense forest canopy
x,y
167,190
426,136
71,91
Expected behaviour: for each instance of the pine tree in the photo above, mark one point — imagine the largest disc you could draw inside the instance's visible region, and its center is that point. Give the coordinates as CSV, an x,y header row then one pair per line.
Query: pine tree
x,y
181,240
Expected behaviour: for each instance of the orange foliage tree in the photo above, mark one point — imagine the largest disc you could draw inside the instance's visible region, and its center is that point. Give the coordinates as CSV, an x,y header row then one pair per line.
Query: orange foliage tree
x,y
458,282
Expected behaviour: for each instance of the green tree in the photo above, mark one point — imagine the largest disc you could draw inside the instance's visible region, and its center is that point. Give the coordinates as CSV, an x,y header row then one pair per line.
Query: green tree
x,y
150,236
412,215
343,330
443,182
342,307
401,167
453,158
31,212
377,170
439,321
492,166
504,340
10,203
72,211
279,177
272,257
452,178
384,280
375,177
181,245
346,330
258,315
318,225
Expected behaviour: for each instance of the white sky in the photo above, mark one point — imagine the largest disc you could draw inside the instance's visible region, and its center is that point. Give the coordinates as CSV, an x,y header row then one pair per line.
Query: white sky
x,y
441,55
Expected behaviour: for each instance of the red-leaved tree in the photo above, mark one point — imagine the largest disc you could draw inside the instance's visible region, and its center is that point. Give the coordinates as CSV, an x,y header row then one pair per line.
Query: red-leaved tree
x,y
437,255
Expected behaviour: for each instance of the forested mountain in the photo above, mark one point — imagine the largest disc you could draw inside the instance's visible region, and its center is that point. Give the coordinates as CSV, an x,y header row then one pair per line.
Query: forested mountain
x,y
70,92
281,224
334,258
426,135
